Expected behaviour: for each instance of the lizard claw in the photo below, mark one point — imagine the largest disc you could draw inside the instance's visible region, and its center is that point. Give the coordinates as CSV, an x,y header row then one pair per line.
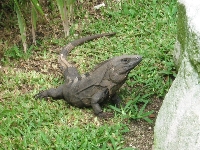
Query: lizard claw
x,y
105,115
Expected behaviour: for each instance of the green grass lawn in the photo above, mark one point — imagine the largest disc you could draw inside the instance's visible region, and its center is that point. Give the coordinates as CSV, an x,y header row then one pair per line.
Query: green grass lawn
x,y
146,28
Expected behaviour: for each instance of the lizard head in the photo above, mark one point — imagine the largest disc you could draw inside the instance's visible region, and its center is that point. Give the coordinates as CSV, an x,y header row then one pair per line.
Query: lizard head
x,y
120,66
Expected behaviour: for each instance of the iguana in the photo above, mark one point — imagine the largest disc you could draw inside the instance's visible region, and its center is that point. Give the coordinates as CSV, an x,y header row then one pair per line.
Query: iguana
x,y
91,89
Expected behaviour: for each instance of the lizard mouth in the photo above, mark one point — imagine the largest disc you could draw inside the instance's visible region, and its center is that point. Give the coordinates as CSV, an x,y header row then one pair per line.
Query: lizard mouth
x,y
127,68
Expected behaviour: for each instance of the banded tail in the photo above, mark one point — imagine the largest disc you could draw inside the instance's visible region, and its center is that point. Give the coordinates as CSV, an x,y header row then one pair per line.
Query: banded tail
x,y
68,48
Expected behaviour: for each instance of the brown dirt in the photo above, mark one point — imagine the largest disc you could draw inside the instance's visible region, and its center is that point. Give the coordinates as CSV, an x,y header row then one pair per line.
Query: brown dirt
x,y
141,132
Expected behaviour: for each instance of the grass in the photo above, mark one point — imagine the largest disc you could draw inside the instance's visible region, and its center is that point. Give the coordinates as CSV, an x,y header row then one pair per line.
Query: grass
x,y
146,28
27,123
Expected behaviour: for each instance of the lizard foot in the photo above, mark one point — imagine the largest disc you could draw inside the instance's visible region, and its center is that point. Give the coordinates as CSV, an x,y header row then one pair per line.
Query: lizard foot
x,y
105,115
40,95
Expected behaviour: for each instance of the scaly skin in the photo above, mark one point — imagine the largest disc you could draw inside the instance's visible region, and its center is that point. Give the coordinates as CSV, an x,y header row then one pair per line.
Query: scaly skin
x,y
93,88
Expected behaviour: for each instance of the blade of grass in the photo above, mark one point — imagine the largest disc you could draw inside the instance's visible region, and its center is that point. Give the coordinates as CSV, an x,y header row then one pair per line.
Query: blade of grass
x,y
115,109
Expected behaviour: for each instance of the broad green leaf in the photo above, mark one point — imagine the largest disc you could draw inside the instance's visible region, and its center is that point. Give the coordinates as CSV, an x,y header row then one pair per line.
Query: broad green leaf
x,y
21,22
33,22
37,6
33,16
60,4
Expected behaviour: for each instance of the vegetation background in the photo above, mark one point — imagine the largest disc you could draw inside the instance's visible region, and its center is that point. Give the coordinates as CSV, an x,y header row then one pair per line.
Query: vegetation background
x,y
32,34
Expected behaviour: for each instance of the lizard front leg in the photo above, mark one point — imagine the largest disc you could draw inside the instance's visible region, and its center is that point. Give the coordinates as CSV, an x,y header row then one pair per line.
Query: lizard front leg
x,y
116,100
96,99
55,93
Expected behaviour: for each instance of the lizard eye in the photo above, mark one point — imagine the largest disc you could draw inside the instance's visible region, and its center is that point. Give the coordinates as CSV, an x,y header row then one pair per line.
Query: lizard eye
x,y
137,57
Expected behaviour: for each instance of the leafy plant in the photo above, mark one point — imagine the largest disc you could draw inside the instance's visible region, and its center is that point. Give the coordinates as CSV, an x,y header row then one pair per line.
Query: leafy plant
x,y
66,9
35,8
21,23
16,53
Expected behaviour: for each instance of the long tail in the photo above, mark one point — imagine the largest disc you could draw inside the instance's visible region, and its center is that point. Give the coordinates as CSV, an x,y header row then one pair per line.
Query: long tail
x,y
68,48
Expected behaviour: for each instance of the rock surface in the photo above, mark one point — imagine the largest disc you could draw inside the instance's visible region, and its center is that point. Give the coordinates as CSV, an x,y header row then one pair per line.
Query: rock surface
x,y
178,122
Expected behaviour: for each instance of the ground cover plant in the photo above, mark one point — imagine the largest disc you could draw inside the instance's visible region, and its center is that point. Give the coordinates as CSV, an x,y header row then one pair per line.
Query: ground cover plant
x,y
147,28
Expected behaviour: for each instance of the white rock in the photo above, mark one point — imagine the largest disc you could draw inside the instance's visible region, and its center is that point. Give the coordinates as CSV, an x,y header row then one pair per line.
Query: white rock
x,y
178,122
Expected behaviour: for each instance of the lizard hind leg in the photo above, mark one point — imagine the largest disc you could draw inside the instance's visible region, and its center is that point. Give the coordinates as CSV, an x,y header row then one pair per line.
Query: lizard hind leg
x,y
71,73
